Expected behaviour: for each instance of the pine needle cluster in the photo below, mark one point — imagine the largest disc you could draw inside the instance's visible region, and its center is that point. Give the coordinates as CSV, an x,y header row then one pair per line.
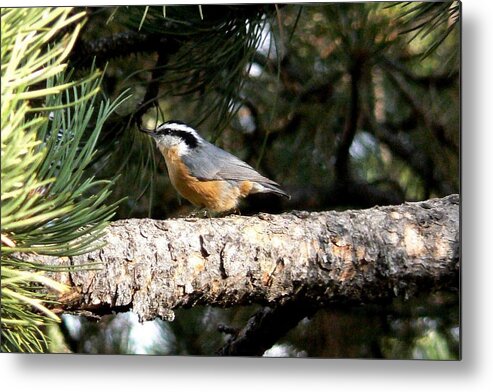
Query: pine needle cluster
x,y
50,125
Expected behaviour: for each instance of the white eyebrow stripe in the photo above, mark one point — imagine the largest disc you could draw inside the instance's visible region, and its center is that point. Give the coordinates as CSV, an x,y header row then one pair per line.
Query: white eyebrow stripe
x,y
180,127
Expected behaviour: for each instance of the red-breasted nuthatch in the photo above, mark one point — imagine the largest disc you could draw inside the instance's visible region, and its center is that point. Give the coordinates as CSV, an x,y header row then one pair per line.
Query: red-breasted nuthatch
x,y
204,174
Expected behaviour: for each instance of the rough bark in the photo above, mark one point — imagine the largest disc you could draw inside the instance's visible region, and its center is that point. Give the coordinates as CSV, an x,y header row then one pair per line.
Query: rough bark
x,y
151,266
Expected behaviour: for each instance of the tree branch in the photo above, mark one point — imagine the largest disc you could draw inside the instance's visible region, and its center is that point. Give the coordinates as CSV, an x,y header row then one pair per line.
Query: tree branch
x,y
436,128
268,325
168,40
265,328
151,266
342,156
121,45
152,91
443,80
421,163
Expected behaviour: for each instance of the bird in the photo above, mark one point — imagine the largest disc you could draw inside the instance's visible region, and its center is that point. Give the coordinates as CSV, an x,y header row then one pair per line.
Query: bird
x,y
204,174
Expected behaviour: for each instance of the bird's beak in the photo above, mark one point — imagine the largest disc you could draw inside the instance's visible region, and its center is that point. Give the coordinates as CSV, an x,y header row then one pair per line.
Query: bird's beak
x,y
150,132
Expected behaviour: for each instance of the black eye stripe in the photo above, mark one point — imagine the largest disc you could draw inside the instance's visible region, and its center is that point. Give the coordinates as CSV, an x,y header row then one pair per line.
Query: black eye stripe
x,y
189,139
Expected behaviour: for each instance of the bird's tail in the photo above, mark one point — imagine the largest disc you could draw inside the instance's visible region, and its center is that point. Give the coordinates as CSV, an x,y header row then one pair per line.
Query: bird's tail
x,y
273,188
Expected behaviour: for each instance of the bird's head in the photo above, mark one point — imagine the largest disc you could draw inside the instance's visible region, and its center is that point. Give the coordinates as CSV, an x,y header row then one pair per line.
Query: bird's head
x,y
174,134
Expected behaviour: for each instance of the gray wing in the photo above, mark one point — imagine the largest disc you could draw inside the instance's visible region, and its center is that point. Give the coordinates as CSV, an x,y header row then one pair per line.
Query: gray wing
x,y
212,163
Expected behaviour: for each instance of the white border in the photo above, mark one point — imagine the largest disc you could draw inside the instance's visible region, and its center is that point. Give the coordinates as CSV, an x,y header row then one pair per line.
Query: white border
x,y
473,373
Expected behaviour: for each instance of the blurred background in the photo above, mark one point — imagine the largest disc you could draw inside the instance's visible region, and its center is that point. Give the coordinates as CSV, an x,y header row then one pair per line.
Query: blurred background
x,y
345,105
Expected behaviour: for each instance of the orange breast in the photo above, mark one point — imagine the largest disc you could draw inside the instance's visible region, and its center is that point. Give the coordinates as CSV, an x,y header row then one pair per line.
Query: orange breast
x,y
214,195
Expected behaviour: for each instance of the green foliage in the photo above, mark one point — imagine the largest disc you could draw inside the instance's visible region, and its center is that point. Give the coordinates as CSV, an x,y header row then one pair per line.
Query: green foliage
x,y
423,328
429,19
49,205
407,127
216,46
